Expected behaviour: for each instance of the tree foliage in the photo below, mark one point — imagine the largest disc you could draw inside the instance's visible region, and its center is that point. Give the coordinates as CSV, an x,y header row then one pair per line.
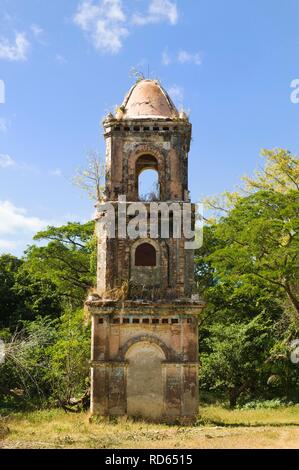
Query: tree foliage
x,y
47,339
47,361
261,241
234,355
68,259
24,295
248,272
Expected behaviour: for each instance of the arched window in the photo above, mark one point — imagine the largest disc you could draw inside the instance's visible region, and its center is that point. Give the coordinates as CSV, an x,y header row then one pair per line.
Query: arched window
x,y
145,255
148,186
147,178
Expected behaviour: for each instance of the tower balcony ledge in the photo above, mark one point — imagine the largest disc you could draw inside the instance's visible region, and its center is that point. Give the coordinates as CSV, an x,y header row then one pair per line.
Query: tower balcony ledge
x,y
181,305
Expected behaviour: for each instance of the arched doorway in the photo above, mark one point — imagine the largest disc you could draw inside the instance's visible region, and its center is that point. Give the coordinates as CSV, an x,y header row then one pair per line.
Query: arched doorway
x,y
145,390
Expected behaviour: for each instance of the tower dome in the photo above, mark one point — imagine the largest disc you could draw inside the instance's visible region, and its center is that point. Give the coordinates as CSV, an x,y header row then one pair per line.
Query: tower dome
x,y
148,99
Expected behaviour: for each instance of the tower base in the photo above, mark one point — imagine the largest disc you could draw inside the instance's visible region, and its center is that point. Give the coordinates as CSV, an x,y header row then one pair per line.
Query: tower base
x,y
145,359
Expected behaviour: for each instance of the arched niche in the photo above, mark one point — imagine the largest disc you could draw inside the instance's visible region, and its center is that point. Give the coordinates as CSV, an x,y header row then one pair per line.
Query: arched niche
x,y
145,387
145,255
146,263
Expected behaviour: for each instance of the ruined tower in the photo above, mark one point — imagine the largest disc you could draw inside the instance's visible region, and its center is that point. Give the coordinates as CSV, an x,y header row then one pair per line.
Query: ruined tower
x,y
144,318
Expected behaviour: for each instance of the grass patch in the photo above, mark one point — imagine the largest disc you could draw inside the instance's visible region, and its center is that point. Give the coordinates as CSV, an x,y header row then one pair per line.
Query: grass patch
x,y
283,416
217,428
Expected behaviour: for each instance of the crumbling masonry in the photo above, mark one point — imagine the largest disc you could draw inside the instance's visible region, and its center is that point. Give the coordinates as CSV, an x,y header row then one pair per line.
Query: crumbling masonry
x,y
144,319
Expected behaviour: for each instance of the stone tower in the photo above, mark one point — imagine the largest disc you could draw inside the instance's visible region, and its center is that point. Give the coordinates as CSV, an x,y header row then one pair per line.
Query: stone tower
x,y
144,319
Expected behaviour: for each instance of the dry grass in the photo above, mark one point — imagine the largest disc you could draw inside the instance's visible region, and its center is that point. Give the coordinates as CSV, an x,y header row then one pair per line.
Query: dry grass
x,y
218,428
288,415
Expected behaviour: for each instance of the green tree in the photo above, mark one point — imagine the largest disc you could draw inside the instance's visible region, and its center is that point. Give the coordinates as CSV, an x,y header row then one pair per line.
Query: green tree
x,y
69,356
39,296
47,339
68,260
24,295
23,375
246,270
46,361
259,229
279,174
261,241
10,303
233,356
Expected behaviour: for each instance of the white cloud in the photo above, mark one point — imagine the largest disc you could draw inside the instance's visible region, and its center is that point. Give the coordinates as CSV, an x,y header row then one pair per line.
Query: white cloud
x,y
166,59
56,172
181,57
6,161
104,23
17,227
176,93
158,11
60,59
14,51
14,220
37,30
3,125
185,57
7,245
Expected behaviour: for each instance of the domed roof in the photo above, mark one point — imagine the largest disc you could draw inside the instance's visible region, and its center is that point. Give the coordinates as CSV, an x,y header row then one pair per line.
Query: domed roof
x,y
148,99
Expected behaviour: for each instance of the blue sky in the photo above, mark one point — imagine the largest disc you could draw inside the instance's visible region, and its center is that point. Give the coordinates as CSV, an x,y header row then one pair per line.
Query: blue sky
x,y
66,63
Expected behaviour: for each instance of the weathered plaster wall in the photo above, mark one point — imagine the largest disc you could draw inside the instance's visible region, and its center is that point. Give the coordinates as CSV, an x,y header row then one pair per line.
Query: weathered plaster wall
x,y
144,360
169,145
172,277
